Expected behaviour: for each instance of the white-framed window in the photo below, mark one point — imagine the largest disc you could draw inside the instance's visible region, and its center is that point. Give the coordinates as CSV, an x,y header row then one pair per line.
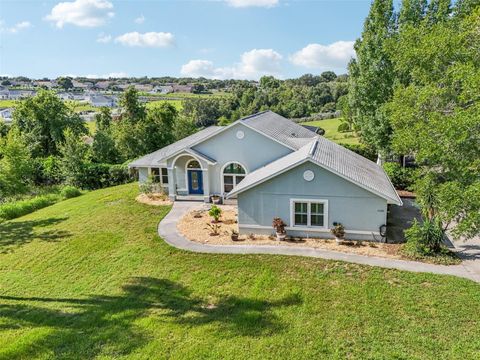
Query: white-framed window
x,y
159,175
309,213
232,174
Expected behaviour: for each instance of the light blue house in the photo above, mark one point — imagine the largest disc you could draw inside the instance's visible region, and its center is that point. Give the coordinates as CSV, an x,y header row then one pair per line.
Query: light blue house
x,y
276,168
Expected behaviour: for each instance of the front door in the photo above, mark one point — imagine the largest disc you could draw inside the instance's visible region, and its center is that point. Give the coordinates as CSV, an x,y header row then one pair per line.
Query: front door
x,y
195,182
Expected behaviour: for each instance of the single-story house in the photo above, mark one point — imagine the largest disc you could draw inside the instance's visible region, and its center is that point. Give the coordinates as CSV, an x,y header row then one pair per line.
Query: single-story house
x,y
276,168
101,100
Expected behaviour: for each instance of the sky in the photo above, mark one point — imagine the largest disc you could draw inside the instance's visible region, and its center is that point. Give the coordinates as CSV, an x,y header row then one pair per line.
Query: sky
x,y
241,39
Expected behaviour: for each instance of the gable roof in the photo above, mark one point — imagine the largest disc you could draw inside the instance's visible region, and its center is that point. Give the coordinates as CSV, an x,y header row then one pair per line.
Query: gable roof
x,y
156,157
334,158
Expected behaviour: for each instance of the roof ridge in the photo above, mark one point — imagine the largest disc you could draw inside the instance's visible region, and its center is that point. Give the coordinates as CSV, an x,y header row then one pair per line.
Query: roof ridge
x,y
253,115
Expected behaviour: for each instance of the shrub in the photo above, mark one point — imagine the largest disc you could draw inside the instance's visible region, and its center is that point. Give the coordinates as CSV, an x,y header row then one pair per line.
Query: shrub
x,y
343,127
16,209
402,178
279,225
215,212
363,150
425,238
96,176
150,187
69,192
338,231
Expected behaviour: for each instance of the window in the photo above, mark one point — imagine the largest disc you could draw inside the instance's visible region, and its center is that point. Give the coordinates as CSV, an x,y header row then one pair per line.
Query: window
x,y
159,175
193,164
164,176
310,213
155,173
233,174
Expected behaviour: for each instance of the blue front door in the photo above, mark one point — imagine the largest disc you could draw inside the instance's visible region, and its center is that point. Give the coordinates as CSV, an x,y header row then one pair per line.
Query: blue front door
x,y
195,182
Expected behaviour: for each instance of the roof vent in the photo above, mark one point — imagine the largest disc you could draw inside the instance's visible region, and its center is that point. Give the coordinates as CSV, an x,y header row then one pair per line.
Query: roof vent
x,y
294,135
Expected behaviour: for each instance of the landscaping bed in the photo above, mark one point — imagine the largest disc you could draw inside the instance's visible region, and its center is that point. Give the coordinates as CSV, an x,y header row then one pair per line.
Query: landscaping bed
x,y
194,227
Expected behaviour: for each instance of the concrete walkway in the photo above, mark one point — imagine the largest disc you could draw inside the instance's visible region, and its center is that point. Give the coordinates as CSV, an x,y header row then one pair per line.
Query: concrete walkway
x,y
167,229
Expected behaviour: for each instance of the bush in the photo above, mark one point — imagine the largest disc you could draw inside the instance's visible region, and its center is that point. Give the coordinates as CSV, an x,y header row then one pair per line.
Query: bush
x,y
425,238
215,212
96,176
402,178
16,209
343,127
69,192
365,151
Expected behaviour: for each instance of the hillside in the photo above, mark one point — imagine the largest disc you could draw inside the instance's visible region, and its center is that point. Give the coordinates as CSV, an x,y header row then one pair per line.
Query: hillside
x,y
89,277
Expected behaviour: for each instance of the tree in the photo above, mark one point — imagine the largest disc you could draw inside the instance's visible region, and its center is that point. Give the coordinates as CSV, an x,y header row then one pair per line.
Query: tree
x,y
15,165
65,82
184,126
328,76
157,129
103,147
103,119
372,77
133,110
75,154
43,120
412,12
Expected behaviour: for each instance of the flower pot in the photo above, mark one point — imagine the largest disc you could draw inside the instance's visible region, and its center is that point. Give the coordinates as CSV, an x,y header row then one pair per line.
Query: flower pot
x,y
338,240
281,236
234,237
216,200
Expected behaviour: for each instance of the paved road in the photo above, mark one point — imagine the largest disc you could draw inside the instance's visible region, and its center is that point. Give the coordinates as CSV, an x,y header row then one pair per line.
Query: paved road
x,y
167,229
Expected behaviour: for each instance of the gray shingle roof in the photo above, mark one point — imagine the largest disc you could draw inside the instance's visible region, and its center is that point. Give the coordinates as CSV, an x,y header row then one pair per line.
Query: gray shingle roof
x,y
158,156
279,128
334,158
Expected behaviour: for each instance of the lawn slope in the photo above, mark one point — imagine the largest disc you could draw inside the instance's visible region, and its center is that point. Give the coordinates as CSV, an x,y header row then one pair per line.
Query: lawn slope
x,y
89,278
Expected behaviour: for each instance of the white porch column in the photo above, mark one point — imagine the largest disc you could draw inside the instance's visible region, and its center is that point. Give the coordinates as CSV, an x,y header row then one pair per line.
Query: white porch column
x,y
171,183
206,184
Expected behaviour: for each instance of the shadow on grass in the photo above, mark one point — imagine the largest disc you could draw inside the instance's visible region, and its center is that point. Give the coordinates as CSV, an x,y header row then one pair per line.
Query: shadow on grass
x,y
17,233
105,324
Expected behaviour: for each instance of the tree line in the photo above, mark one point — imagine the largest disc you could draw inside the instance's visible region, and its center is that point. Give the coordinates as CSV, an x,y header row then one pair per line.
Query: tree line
x,y
413,89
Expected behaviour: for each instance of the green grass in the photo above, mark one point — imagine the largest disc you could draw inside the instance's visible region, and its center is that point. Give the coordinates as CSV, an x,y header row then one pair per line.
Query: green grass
x,y
8,103
176,103
331,131
89,278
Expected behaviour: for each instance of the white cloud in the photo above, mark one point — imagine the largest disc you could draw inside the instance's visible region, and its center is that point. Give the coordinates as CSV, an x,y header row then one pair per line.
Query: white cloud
x,y
15,28
317,56
254,64
149,39
112,75
84,13
104,38
140,19
252,3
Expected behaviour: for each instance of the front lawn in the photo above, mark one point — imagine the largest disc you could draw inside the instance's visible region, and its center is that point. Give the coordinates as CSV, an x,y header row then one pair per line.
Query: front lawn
x,y
89,278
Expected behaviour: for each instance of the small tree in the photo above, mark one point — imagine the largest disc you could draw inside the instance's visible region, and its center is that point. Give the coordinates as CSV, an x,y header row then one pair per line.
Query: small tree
x,y
75,156
215,212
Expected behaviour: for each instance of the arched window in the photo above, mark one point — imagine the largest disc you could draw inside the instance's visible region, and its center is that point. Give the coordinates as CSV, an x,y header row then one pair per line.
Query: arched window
x,y
233,173
193,164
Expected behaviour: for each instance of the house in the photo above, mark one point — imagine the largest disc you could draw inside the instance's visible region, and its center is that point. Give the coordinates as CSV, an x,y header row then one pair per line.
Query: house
x,y
276,168
182,88
101,100
7,114
4,93
167,89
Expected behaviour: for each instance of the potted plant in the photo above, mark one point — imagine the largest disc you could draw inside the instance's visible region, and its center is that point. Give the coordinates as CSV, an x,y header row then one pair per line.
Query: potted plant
x,y
216,199
234,235
279,227
338,231
215,212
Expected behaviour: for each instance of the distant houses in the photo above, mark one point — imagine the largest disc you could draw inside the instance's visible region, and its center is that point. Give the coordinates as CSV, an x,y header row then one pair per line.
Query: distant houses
x,y
102,100
7,115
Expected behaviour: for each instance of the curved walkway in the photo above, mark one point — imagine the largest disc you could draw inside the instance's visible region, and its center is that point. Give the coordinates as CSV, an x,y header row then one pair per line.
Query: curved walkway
x,y
167,229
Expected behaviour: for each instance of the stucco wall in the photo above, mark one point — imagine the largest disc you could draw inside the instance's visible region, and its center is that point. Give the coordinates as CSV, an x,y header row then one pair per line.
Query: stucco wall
x,y
253,151
357,209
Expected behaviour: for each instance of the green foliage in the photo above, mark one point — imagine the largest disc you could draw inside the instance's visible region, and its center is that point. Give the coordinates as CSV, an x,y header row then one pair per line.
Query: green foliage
x,y
75,155
43,120
402,178
47,170
65,82
150,187
69,192
215,212
425,238
344,127
363,150
16,209
184,126
97,176
16,170
103,119
132,110
104,149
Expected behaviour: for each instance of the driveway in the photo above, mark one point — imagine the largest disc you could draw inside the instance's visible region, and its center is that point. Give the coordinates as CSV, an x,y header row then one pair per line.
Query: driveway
x,y
167,229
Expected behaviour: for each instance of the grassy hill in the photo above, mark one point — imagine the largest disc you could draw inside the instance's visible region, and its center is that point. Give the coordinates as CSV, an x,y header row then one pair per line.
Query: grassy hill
x,y
331,131
90,278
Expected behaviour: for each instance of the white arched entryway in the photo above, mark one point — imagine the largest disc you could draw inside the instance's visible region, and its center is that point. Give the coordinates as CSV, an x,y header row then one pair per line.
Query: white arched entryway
x,y
189,175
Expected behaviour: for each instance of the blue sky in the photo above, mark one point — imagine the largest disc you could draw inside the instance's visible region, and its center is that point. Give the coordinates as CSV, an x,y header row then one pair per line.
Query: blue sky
x,y
216,39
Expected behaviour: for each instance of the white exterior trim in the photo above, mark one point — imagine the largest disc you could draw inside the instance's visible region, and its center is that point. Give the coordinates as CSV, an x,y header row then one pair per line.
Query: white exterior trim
x,y
222,189
309,201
